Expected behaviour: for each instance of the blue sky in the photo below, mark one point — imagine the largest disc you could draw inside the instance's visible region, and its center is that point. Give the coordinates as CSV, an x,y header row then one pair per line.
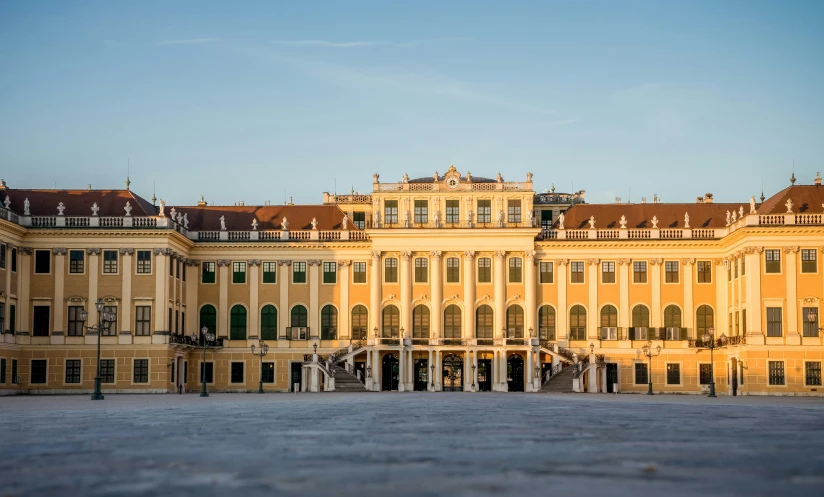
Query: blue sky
x,y
256,100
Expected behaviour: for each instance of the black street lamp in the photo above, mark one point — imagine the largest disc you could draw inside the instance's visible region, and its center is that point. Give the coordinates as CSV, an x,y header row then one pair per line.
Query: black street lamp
x,y
648,351
709,340
432,376
263,349
207,337
105,318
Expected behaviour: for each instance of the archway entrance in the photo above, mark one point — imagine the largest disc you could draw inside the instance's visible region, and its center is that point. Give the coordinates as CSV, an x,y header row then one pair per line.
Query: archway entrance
x,y
484,375
734,376
389,372
421,375
515,373
452,373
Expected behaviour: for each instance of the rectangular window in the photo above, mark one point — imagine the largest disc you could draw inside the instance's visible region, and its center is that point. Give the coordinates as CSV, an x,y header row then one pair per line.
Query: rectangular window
x,y
14,260
42,261
209,369
546,270
73,371
143,316
484,270
141,371
812,374
607,272
358,272
2,371
38,371
298,272
576,272
639,272
671,271
513,211
177,322
171,320
76,261
776,370
484,211
236,372
453,270
421,270
773,261
809,260
704,272
40,326
14,379
3,256
330,272
110,261
144,262
270,271
453,212
75,324
207,272
773,321
268,373
238,272
390,212
2,318
359,219
390,270
515,270
106,370
12,318
737,323
673,374
809,316
641,374
704,374
421,212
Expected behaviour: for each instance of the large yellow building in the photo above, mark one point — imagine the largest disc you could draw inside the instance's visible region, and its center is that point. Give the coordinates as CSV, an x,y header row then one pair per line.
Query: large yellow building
x,y
448,282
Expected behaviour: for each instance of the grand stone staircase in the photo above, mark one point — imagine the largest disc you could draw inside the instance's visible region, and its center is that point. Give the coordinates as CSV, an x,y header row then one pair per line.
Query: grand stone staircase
x,y
560,382
345,381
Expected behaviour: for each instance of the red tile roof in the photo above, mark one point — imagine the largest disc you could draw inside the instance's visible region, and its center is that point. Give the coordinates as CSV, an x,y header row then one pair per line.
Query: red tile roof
x,y
78,202
269,217
806,199
607,216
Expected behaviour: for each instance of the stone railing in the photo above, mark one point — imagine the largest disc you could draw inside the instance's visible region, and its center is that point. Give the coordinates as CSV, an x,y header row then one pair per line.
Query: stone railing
x,y
278,235
520,186
9,215
631,234
97,222
431,224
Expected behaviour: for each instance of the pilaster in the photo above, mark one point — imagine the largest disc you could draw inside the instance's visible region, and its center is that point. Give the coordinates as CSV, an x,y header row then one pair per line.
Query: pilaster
x,y
24,284
344,323
688,316
655,281
223,298
406,293
562,313
192,286
469,293
623,301
94,278
436,286
500,292
531,291
125,310
59,285
254,298
593,316
791,256
375,296
721,266
314,289
283,311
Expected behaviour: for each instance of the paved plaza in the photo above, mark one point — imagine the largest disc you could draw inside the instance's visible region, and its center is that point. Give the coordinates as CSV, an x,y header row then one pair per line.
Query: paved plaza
x,y
411,444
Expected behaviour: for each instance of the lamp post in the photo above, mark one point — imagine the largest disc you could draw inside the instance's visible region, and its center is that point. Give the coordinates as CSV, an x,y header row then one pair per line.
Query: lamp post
x,y
432,376
591,348
474,367
648,351
263,349
207,337
709,339
105,318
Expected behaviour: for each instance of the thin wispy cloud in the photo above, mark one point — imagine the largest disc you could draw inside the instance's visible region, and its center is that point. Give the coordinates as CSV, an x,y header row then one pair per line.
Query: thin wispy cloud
x,y
358,44
191,41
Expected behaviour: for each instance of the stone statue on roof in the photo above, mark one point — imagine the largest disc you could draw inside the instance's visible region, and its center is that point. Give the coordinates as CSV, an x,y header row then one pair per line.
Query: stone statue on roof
x,y
162,211
623,222
7,202
405,178
789,206
728,218
186,221
222,223
375,178
254,224
734,215
752,204
26,207
561,221
314,223
741,211
528,177
285,224
95,209
499,178
60,208
592,222
655,222
128,208
345,222
686,220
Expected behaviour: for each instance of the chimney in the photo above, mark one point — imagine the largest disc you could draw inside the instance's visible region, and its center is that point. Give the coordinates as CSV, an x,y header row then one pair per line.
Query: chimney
x,y
90,186
708,198
817,179
654,198
3,184
201,202
643,200
617,200
240,203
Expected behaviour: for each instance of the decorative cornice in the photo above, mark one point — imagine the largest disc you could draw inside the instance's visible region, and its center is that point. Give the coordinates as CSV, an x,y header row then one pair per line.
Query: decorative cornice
x,y
59,251
93,251
749,250
223,262
168,251
656,262
469,254
405,255
530,255
192,262
376,254
157,251
126,251
718,262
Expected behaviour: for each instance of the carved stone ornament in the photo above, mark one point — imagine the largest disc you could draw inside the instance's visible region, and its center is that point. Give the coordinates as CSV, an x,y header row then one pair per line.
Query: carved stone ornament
x,y
128,209
222,223
593,262
345,262
59,251
561,262
313,262
759,250
168,251
789,206
718,262
469,254
810,300
654,222
530,254
286,262
391,296
314,223
405,255
26,207
623,222
126,251
76,298
2,294
685,262
624,262
500,254
254,262
7,202
793,250
561,221
192,262
223,262
486,297
93,251
95,209
655,262
749,250
24,251
687,220
435,254
375,255
592,222
419,298
60,208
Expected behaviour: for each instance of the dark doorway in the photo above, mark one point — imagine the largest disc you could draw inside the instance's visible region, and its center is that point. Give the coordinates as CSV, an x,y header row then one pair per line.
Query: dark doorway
x,y
421,374
361,366
734,379
452,373
612,377
296,376
484,375
389,372
515,373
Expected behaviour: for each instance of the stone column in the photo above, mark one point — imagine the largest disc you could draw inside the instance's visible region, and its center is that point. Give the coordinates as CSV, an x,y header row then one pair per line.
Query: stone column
x,y
731,287
367,382
437,294
469,293
530,372
94,279
688,316
344,323
406,293
624,312
475,370
223,298
430,372
24,289
740,300
192,286
283,302
539,380
7,307
720,324
254,298
376,369
59,284
531,294
499,279
467,371
562,313
125,314
593,316
172,290
402,368
504,386
314,289
655,280
375,293
754,330
791,255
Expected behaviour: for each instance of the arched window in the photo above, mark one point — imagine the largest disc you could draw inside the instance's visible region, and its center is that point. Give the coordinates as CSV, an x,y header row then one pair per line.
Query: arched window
x,y
640,316
360,322
704,320
514,322
672,317
299,318
328,323
452,322
577,323
546,322
390,322
208,318
609,316
484,323
269,323
420,322
237,326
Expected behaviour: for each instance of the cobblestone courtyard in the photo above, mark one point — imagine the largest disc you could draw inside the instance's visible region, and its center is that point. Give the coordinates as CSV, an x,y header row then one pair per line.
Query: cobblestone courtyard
x,y
411,444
